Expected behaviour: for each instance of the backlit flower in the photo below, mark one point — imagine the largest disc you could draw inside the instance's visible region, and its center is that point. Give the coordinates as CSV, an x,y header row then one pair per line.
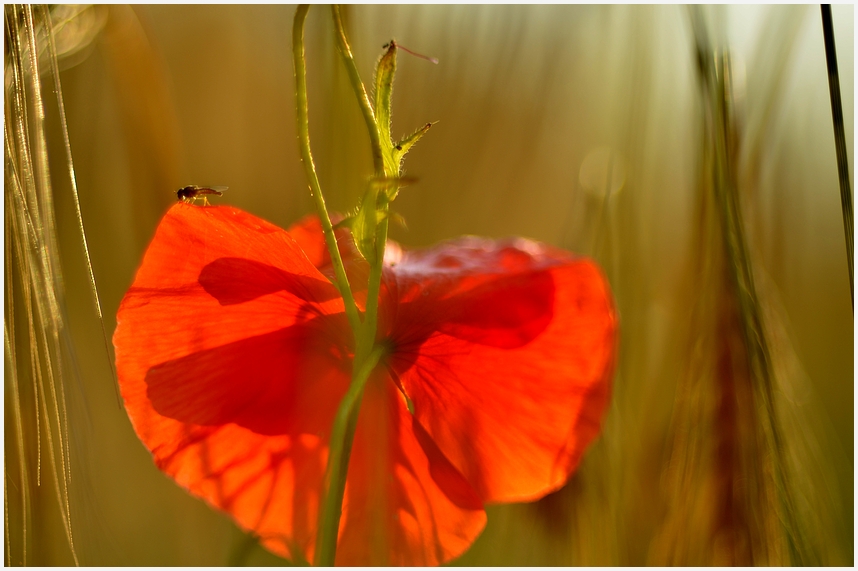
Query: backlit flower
x,y
233,352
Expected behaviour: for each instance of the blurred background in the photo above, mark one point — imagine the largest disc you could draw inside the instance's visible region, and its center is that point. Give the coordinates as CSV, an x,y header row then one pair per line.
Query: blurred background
x,y
593,128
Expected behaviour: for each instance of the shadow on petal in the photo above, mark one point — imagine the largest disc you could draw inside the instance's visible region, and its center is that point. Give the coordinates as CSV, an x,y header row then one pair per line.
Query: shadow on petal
x,y
284,382
238,280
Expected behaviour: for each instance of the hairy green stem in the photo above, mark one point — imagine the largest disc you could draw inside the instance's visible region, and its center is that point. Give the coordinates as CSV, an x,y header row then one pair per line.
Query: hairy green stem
x,y
342,438
367,353
342,281
360,91
370,324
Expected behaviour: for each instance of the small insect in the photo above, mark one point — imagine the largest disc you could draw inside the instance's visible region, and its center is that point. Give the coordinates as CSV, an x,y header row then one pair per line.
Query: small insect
x,y
192,193
400,46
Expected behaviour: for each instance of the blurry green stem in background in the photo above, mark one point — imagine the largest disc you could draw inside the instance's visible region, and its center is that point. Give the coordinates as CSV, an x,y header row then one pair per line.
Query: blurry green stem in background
x,y
55,71
32,256
839,141
748,442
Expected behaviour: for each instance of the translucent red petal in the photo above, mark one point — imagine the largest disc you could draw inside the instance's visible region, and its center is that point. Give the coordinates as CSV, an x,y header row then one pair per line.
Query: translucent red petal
x,y
506,350
408,506
233,353
307,232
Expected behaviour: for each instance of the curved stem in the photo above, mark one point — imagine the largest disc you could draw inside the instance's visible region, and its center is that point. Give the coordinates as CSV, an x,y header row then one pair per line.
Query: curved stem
x,y
342,438
367,353
342,281
363,99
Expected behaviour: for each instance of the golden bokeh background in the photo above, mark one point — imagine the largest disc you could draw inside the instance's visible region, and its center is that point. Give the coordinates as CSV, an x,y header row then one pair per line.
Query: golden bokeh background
x,y
580,126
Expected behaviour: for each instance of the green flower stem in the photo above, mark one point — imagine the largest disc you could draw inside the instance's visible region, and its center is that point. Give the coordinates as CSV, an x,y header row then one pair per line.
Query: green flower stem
x,y
342,281
373,239
370,324
363,99
342,438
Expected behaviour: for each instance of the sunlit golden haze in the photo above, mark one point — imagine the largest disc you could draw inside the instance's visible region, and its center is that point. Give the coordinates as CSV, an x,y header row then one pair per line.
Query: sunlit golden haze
x,y
581,126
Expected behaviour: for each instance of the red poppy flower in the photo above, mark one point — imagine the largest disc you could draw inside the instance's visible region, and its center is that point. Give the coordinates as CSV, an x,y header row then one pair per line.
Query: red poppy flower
x,y
233,352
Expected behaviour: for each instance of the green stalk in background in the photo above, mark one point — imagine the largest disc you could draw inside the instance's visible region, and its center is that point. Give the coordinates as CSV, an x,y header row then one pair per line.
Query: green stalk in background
x,y
839,142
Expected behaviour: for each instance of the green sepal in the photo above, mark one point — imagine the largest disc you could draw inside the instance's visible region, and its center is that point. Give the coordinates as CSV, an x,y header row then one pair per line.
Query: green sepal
x,y
406,143
346,222
389,186
392,216
364,224
381,190
398,219
384,73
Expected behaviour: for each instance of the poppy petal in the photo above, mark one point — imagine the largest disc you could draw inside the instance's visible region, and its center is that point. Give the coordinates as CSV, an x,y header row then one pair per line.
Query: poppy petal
x,y
233,354
307,232
506,350
231,351
405,503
